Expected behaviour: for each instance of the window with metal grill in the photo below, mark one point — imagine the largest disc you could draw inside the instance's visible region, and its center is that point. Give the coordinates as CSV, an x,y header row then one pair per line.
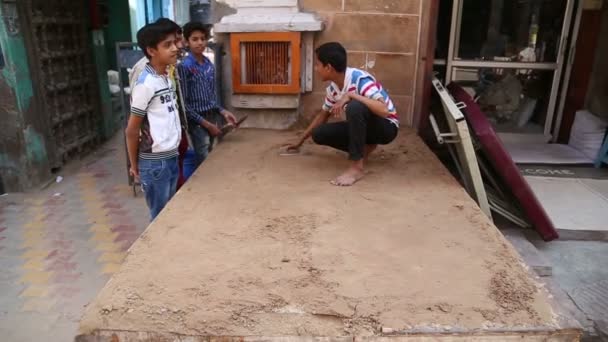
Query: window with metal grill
x,y
266,63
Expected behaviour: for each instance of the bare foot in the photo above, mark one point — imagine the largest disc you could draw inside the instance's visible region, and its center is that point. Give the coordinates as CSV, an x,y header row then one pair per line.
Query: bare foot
x,y
349,177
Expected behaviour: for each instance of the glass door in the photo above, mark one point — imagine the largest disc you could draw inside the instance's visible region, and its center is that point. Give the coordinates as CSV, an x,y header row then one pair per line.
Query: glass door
x,y
159,9
509,55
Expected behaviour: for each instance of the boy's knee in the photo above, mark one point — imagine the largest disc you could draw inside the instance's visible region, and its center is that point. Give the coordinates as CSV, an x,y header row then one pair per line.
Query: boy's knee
x,y
318,136
355,108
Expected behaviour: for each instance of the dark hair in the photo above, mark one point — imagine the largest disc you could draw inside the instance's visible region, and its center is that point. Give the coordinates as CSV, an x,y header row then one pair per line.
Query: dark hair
x,y
333,54
192,26
151,35
170,24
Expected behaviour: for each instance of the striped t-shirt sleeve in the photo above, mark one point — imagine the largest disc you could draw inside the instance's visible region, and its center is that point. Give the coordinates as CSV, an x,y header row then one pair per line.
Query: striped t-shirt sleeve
x,y
330,99
140,99
369,88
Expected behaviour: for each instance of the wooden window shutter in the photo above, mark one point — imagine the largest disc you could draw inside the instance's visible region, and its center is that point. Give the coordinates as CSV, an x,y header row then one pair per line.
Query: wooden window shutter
x,y
266,62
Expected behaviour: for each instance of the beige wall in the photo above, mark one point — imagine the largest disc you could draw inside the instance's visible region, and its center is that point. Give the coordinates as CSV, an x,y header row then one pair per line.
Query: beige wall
x,y
381,36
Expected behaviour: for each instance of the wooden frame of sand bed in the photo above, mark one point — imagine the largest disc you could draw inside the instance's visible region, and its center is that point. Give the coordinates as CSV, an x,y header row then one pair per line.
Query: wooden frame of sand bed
x,y
260,247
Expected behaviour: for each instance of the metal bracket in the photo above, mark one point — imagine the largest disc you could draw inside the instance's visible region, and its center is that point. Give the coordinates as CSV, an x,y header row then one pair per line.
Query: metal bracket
x,y
440,136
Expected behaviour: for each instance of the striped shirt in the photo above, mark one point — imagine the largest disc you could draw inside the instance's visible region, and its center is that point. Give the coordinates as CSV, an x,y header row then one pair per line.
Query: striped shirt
x,y
198,84
362,83
154,98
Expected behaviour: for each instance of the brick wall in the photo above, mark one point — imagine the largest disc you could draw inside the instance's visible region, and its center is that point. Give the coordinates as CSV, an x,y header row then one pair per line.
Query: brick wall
x,y
381,36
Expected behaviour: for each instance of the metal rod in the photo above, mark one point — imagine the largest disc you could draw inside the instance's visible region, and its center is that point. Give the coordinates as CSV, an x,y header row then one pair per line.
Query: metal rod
x,y
504,65
446,100
489,177
563,45
509,216
451,47
506,210
568,72
435,128
458,29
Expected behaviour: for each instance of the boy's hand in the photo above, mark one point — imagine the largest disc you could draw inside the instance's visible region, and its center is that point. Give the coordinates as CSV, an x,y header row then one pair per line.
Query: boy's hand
x,y
230,117
293,147
213,130
134,171
338,108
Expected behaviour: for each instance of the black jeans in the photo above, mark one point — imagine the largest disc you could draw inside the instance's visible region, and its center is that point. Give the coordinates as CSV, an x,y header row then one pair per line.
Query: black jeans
x,y
362,127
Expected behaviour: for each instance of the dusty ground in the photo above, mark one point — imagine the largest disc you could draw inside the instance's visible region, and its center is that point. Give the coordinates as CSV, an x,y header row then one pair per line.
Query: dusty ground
x,y
261,244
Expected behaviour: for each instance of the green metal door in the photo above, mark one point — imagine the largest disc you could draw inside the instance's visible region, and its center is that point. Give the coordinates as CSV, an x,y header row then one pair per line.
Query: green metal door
x,y
63,74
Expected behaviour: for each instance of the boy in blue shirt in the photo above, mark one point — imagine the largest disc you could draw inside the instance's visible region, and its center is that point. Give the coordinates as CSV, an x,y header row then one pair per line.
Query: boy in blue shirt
x,y
197,75
154,130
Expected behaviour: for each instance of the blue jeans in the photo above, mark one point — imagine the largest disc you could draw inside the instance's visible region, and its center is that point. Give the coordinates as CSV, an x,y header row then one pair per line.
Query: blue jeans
x,y
158,181
202,140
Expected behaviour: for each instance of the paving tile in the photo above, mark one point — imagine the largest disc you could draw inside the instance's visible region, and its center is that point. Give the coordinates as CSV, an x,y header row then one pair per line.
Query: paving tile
x,y
66,278
57,252
107,247
104,236
35,264
124,228
66,292
35,254
38,305
115,257
110,268
35,291
62,266
36,277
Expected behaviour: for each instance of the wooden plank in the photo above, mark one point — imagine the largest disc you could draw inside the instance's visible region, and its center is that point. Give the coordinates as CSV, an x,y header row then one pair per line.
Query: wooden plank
x,y
235,50
507,336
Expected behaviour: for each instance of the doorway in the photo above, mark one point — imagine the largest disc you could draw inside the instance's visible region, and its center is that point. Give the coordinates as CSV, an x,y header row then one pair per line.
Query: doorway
x,y
509,55
63,74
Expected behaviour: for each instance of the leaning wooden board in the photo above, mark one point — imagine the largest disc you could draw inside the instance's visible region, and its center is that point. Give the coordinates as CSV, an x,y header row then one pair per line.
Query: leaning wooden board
x,y
504,165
